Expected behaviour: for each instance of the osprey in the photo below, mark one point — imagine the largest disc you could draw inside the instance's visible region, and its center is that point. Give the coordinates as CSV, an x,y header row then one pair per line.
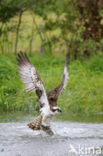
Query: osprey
x,y
47,100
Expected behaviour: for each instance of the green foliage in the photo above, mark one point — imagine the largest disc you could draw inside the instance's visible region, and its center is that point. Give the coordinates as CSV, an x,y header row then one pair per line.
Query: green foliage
x,y
83,93
96,63
64,24
12,93
9,8
53,27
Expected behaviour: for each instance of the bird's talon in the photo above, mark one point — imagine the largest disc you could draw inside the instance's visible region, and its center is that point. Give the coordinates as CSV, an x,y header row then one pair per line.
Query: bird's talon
x,y
47,129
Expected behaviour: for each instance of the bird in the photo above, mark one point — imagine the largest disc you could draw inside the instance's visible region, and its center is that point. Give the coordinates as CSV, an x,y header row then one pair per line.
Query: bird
x,y
47,100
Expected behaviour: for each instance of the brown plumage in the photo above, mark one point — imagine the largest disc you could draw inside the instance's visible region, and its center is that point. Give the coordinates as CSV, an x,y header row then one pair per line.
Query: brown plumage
x,y
47,101
36,123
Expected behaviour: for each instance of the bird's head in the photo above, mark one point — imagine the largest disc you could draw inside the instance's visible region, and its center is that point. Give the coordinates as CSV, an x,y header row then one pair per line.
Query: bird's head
x,y
52,98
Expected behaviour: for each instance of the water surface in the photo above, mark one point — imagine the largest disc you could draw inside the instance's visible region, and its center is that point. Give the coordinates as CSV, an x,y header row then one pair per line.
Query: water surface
x,y
71,138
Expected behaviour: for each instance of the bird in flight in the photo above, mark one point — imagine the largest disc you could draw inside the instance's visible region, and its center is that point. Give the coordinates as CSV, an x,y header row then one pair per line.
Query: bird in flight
x,y
47,100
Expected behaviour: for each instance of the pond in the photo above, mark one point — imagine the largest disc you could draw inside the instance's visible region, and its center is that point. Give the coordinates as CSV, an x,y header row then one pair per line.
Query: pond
x,y
73,136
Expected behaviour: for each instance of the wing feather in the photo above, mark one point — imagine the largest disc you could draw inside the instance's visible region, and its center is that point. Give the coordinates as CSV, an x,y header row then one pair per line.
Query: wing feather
x,y
32,80
60,88
65,74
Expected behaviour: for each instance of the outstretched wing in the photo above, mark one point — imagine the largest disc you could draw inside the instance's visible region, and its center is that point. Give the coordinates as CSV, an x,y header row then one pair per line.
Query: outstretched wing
x,y
60,88
65,74
31,79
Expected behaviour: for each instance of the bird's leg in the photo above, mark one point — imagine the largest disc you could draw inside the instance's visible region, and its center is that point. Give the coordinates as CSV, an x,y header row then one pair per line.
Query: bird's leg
x,y
47,129
45,126
46,121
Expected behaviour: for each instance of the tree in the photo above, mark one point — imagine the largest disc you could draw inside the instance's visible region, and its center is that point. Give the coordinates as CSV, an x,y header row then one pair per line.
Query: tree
x,y
91,12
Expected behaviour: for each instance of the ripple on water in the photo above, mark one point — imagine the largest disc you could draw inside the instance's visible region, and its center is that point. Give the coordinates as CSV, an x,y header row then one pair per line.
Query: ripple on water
x,y
18,139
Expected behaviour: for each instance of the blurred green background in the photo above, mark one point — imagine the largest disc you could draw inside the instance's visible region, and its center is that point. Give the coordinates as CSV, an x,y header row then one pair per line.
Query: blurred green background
x,y
46,30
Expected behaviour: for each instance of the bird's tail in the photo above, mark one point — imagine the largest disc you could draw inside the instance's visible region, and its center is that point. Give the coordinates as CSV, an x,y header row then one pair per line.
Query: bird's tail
x,y
36,123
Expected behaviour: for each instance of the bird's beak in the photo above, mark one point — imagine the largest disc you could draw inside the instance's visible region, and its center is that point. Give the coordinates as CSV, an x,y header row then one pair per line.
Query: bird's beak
x,y
59,110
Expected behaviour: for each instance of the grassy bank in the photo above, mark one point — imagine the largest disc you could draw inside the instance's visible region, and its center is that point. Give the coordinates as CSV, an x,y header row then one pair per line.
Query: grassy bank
x,y
84,93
